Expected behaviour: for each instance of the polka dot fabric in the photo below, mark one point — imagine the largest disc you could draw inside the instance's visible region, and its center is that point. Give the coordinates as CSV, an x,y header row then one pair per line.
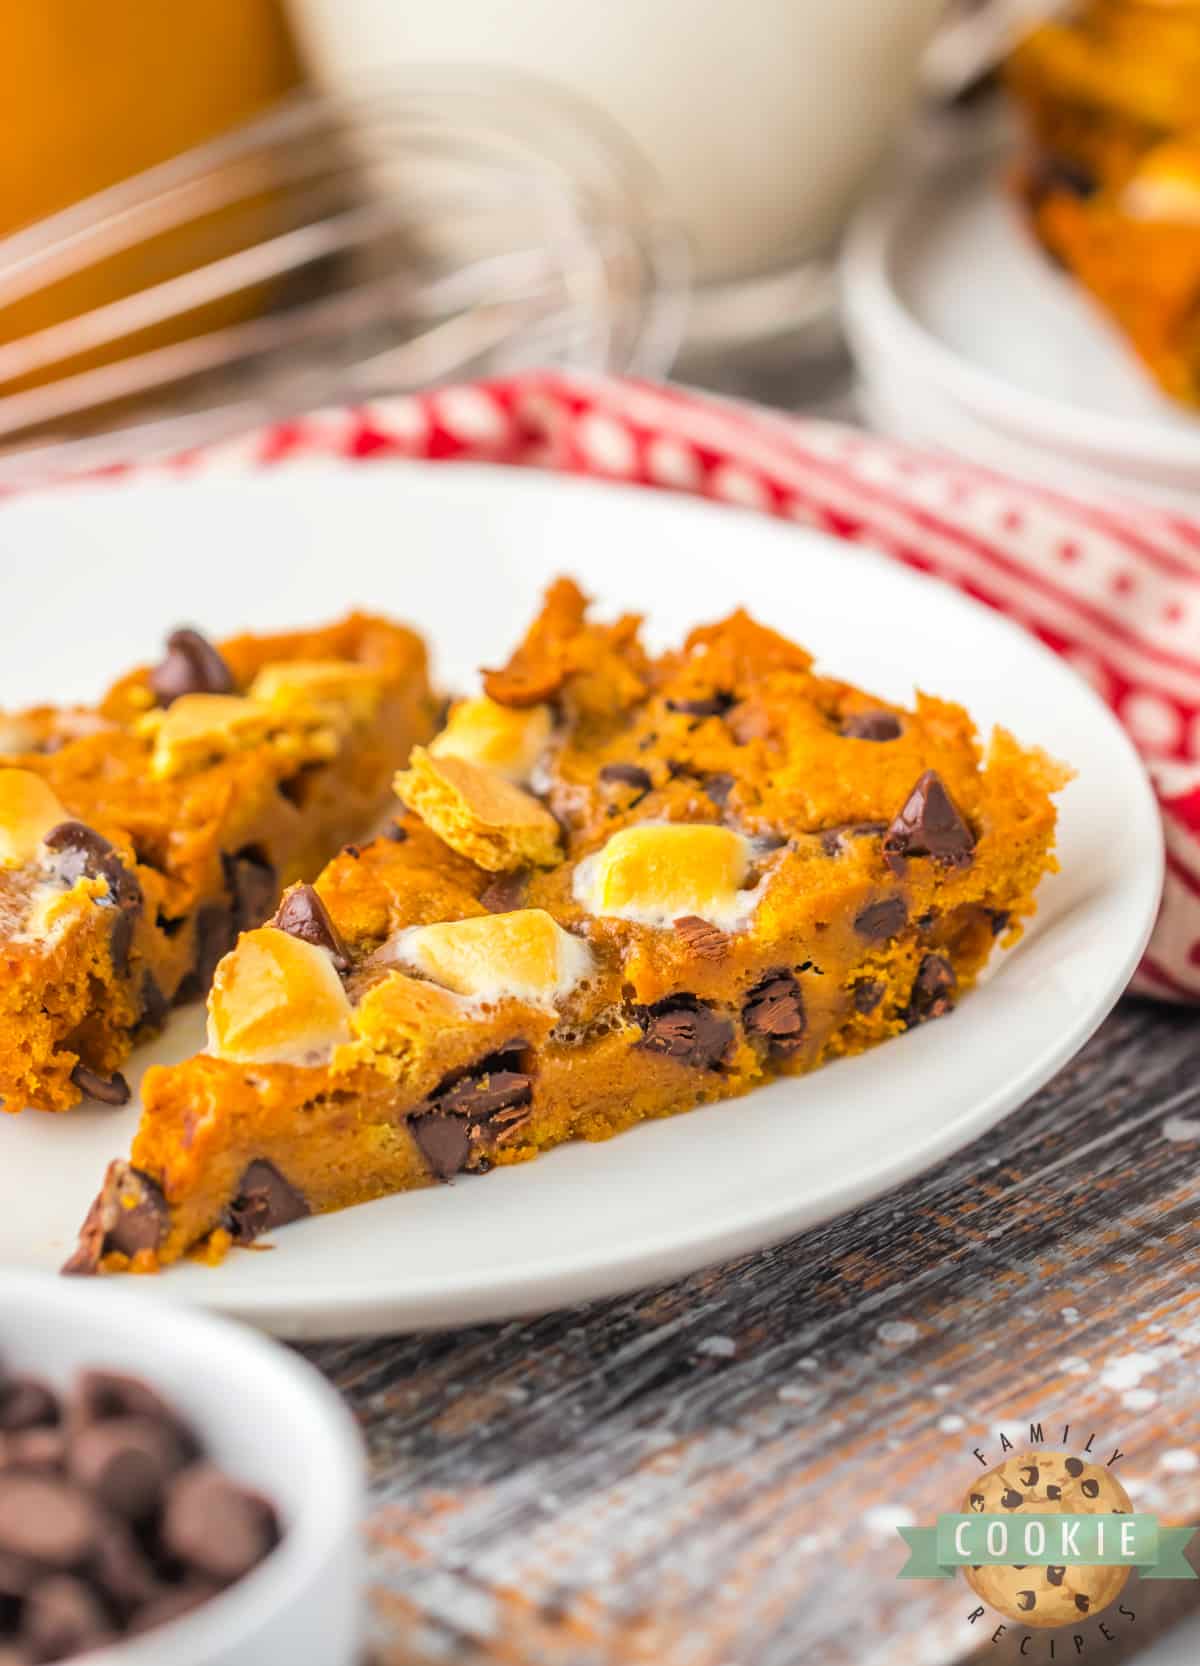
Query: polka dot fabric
x,y
1113,587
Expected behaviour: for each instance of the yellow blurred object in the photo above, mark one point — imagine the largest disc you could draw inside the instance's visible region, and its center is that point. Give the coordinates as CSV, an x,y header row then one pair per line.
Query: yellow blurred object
x,y
94,93
1111,178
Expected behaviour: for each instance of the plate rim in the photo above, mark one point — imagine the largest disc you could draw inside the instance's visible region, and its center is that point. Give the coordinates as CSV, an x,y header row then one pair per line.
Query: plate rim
x,y
874,313
366,1306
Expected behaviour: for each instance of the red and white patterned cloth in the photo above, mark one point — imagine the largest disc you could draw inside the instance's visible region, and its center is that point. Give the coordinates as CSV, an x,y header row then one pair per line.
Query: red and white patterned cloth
x,y
1115,589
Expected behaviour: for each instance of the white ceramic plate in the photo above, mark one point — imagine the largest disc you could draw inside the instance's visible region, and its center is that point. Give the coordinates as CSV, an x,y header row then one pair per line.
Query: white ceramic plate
x,y
96,576
960,322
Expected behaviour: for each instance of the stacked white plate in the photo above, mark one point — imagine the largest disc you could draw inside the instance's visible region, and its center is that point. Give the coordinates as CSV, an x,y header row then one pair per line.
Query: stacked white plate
x,y
967,337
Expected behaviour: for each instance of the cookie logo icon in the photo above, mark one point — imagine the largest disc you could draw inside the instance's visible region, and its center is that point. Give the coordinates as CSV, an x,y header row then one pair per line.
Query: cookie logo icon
x,y
1043,1484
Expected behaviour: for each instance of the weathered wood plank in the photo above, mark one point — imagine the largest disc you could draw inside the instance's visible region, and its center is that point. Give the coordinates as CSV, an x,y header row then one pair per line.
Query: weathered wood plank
x,y
712,1473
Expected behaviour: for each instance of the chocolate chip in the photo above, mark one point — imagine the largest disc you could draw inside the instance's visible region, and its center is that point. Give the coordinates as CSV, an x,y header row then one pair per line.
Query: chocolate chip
x,y
882,919
130,1214
120,1567
39,1449
866,995
718,787
302,914
478,1097
1055,1575
1026,1600
998,919
1074,1466
706,941
252,886
125,1463
1090,1489
395,833
1053,1492
878,726
264,1201
1082,1603
774,1009
62,1617
833,839
627,775
215,1527
83,851
1062,173
107,1090
977,1502
684,1028
715,705
171,1605
505,893
192,666
1011,1499
27,1403
443,1141
932,992
929,825
1029,1475
44,1520
100,1395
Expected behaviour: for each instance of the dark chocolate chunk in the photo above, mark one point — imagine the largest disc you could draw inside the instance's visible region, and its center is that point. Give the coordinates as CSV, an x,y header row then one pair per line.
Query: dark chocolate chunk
x,y
932,992
302,914
627,775
1090,1489
977,1502
62,1616
125,1463
1055,1575
171,1604
478,1097
684,1028
215,1527
882,919
154,1003
867,994
1011,1499
718,787
264,1201
45,1520
252,886
397,834
1074,1467
1029,1475
121,1569
774,1009
879,726
1053,1492
107,1090
505,893
81,850
100,1395
1082,1602
1062,173
214,936
443,1141
27,1403
705,940
714,705
1026,1600
930,825
191,666
998,919
130,1214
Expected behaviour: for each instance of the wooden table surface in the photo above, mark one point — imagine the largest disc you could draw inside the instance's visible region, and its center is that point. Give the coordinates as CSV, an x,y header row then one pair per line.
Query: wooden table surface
x,y
711,1474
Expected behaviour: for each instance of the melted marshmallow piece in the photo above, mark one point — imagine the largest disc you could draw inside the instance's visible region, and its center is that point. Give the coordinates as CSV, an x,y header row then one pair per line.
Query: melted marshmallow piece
x,y
276,999
28,810
659,872
525,956
1165,186
496,737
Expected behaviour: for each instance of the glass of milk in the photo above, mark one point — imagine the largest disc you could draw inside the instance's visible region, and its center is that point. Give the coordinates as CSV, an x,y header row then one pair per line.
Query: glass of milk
x,y
762,118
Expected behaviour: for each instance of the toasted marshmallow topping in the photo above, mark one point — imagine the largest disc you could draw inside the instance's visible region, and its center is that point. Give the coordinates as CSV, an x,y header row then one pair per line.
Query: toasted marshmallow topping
x,y
276,999
28,810
502,738
334,687
1166,186
525,955
659,872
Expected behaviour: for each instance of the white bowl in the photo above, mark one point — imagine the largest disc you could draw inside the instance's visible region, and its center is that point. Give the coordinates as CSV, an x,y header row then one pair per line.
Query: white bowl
x,y
267,1418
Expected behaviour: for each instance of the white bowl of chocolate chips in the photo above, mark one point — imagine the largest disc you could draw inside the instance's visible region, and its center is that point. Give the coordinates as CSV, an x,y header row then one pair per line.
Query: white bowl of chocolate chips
x,y
172,1488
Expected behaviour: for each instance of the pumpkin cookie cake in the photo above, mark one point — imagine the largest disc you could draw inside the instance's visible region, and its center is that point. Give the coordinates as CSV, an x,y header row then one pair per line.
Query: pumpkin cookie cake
x,y
138,837
621,887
